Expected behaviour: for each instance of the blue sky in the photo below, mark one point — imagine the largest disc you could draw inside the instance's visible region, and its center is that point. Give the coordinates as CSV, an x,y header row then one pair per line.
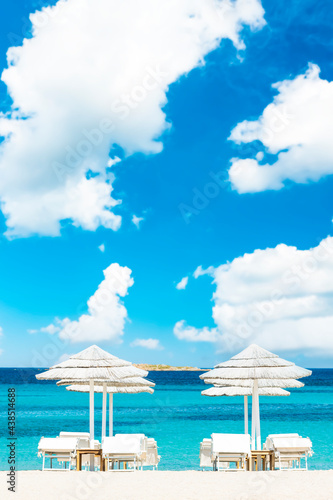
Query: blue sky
x,y
46,276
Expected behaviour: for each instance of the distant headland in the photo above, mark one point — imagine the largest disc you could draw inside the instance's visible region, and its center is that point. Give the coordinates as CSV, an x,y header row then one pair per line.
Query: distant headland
x,y
161,368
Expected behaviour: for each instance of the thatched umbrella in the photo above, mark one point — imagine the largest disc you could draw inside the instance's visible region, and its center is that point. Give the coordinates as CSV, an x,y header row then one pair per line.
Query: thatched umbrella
x,y
244,391
254,364
287,383
89,365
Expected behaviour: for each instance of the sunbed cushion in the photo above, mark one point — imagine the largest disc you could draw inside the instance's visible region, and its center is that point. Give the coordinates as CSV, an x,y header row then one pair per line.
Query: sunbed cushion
x,y
81,435
283,435
291,444
231,443
57,445
122,443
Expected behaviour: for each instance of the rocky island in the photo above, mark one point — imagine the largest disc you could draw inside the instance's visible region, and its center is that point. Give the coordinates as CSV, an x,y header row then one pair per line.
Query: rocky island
x,y
161,368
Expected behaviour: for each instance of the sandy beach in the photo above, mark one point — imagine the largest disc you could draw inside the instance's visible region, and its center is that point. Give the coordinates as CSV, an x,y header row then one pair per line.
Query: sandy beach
x,y
164,485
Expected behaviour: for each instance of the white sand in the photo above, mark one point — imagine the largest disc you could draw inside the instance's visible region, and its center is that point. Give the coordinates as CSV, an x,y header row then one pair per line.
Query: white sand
x,y
189,485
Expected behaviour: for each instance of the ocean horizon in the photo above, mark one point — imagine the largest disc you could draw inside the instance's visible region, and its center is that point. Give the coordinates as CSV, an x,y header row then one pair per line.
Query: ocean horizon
x,y
176,415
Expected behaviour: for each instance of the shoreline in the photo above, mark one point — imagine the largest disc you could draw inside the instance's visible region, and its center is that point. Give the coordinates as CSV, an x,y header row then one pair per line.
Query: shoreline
x,y
171,485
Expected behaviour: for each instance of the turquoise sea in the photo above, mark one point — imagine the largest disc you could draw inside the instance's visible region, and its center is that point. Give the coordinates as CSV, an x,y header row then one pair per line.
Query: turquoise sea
x,y
176,415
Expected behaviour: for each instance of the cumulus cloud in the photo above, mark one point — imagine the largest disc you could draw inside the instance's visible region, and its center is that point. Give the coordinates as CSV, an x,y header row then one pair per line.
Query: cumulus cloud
x,y
182,284
280,298
202,272
153,344
106,316
137,221
102,248
95,74
192,334
50,329
296,127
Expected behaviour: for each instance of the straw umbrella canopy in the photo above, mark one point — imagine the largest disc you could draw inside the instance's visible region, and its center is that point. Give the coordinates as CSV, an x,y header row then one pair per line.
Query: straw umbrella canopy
x,y
262,383
254,364
89,365
111,390
244,391
128,381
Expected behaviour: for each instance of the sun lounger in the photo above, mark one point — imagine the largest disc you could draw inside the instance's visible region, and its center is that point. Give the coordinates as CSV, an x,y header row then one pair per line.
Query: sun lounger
x,y
289,449
83,442
83,439
206,453
123,448
62,449
230,448
150,456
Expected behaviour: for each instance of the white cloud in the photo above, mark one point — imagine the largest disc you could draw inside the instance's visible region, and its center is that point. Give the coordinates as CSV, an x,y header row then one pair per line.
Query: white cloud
x,y
106,315
102,248
50,329
296,127
192,334
153,344
137,220
1,331
202,272
95,74
182,284
280,298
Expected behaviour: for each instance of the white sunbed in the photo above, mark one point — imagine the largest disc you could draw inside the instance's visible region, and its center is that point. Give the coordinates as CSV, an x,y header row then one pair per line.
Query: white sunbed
x,y
62,449
149,451
124,448
230,448
83,442
83,439
289,449
150,456
205,454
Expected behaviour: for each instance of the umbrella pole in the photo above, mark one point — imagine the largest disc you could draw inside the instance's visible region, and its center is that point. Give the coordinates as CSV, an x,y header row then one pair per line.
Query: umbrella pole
x,y
246,416
104,412
110,414
258,425
254,413
92,423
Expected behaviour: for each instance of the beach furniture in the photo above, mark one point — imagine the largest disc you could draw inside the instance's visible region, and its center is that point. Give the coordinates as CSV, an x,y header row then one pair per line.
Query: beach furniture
x,y
230,448
205,454
96,366
82,437
289,450
83,444
150,457
126,449
61,449
254,364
